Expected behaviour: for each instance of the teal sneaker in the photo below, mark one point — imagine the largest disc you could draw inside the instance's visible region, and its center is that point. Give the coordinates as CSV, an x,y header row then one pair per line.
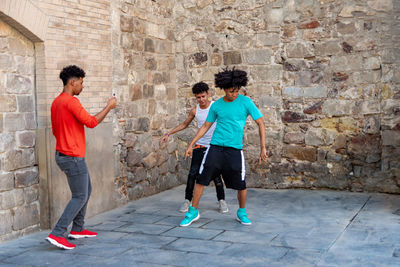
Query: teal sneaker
x,y
191,216
241,216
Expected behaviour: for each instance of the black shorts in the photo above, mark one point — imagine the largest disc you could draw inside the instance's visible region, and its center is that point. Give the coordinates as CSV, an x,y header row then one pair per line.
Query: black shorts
x,y
225,161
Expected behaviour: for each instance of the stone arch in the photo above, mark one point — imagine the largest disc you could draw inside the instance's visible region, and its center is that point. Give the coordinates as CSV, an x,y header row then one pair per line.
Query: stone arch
x,y
25,17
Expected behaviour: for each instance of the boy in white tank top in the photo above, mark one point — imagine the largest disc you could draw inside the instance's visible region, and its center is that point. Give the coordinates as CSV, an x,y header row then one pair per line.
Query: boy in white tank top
x,y
200,112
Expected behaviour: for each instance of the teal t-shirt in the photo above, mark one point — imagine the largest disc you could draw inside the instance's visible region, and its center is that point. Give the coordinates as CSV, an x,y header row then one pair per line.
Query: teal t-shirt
x,y
231,118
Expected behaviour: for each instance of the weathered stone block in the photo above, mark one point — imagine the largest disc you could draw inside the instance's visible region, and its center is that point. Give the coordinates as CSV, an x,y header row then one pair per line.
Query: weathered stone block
x,y
294,138
11,199
164,47
128,41
134,157
300,152
370,107
346,27
316,92
8,103
31,193
293,92
267,39
139,27
203,3
25,103
319,137
6,219
371,125
135,92
7,141
333,107
216,59
126,23
198,60
150,63
150,161
26,216
314,108
149,45
360,145
172,163
6,181
16,159
30,121
328,48
340,142
271,73
348,124
309,25
270,102
290,116
381,5
17,84
274,16
339,77
347,47
258,57
26,177
163,157
14,122
232,58
306,78
299,50
25,139
391,138
372,63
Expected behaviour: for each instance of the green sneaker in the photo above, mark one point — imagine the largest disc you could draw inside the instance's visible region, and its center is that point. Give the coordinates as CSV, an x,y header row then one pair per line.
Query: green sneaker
x,y
241,216
191,216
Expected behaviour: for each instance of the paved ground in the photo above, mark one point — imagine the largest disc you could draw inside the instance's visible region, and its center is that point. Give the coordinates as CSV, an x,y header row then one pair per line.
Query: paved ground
x,y
290,228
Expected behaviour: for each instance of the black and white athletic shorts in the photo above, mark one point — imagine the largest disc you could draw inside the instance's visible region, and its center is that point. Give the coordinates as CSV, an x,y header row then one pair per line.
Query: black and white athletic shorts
x,y
225,161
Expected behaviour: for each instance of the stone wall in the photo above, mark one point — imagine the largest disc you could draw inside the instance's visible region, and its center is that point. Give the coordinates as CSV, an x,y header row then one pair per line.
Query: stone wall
x,y
19,181
144,61
325,74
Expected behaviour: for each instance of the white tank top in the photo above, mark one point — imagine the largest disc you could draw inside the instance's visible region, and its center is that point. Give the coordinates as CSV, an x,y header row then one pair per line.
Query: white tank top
x,y
201,116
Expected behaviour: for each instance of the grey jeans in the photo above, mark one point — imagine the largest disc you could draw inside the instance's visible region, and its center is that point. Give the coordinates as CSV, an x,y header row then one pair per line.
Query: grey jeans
x,y
79,183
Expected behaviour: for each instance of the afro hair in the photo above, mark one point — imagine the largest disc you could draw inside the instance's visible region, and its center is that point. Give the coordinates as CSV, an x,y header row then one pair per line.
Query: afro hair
x,y
71,71
231,79
199,88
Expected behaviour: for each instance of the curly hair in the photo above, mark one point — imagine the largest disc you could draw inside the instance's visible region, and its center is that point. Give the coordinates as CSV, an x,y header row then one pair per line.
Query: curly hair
x,y
231,79
71,71
199,88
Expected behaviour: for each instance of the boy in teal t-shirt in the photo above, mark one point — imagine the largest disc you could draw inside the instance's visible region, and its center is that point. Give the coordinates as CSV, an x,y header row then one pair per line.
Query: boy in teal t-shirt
x,y
225,156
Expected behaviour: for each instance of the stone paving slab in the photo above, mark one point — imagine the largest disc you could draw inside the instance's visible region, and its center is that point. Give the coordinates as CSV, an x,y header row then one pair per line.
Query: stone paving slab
x,y
290,228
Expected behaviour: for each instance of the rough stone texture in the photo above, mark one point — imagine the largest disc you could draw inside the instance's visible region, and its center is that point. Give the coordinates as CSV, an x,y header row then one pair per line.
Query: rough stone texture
x,y
325,74
26,177
17,115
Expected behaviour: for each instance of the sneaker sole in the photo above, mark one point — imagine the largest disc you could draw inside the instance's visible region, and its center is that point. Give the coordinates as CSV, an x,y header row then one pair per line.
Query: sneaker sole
x,y
80,236
223,211
183,211
242,222
55,243
195,219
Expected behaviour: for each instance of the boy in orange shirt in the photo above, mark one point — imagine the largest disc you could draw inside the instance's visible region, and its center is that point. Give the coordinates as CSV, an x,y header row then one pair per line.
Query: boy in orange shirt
x,y
68,119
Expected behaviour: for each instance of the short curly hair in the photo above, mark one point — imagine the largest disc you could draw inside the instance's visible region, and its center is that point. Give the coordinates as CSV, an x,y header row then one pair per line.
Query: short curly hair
x,y
199,87
71,71
231,79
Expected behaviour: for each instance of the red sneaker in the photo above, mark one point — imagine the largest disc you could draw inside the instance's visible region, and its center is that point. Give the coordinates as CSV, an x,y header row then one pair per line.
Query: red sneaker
x,y
60,242
81,234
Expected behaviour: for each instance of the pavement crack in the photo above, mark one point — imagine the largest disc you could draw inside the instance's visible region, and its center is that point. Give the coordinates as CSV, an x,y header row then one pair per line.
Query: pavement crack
x,y
347,226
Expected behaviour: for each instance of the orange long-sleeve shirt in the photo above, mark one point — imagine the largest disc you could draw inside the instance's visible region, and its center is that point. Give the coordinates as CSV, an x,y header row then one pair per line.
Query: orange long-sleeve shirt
x,y
68,118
